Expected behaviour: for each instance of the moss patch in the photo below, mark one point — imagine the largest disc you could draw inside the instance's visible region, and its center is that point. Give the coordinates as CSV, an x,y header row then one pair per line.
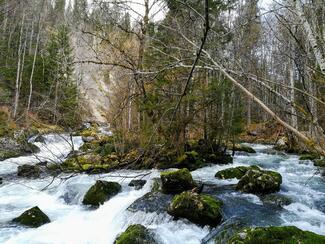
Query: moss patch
x,y
276,235
309,157
135,234
101,192
237,172
200,209
177,181
33,217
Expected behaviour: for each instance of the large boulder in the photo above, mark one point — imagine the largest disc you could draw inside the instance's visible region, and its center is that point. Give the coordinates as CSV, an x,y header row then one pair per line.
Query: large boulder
x,y
135,234
177,181
198,208
260,181
33,217
101,192
237,172
28,171
281,235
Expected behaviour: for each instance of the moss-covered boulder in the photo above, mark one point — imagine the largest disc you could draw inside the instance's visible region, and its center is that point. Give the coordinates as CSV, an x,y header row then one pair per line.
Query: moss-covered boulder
x,y
241,148
319,162
189,160
101,192
28,171
237,172
220,158
198,208
260,181
177,181
309,157
135,234
277,200
33,217
276,235
137,184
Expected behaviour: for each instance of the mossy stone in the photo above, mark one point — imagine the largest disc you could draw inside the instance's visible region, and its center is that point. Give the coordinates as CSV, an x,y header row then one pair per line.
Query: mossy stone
x,y
137,184
28,171
190,160
177,181
237,172
276,235
260,181
319,162
242,148
309,157
198,208
135,234
33,217
101,192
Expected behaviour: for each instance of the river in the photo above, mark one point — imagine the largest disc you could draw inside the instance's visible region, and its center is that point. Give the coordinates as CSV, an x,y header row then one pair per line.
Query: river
x,y
71,222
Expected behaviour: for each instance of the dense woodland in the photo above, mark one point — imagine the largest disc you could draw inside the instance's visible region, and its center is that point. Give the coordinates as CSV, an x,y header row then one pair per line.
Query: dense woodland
x,y
203,69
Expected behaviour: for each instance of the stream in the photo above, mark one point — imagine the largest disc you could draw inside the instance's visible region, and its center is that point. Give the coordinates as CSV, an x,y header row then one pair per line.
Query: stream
x,y
71,222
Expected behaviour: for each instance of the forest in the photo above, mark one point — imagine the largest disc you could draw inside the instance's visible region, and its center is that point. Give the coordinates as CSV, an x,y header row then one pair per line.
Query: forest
x,y
162,121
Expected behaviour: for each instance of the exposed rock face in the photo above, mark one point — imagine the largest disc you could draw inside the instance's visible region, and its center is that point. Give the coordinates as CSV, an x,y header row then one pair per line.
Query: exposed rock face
x,y
135,234
198,208
101,192
237,172
33,217
260,181
281,235
28,171
177,181
137,184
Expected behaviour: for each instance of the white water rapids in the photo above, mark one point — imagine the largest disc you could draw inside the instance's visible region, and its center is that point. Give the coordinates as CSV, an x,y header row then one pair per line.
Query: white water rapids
x,y
71,222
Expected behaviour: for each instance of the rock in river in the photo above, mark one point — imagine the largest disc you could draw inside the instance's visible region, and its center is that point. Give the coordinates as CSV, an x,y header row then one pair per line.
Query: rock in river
x,y
100,192
135,234
137,184
260,181
28,171
33,217
237,172
198,208
177,181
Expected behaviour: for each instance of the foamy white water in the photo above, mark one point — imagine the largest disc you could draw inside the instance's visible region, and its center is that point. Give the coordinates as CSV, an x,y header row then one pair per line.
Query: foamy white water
x,y
71,222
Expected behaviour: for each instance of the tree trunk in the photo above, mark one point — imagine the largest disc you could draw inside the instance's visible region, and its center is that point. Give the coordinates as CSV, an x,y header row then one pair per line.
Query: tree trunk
x,y
17,90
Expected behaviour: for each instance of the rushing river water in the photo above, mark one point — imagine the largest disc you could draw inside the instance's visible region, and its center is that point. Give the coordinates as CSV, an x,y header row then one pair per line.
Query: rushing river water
x,y
71,222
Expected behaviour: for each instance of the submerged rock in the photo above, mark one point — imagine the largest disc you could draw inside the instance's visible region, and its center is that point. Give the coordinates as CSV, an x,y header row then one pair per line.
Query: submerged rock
x,y
281,235
28,171
135,234
152,202
137,184
101,192
177,181
260,181
198,208
237,172
33,217
278,200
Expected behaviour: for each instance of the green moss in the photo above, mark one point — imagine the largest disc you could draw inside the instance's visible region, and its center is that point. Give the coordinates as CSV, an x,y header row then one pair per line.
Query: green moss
x,y
276,235
135,234
177,181
237,172
319,162
309,157
33,217
260,181
189,160
101,192
200,209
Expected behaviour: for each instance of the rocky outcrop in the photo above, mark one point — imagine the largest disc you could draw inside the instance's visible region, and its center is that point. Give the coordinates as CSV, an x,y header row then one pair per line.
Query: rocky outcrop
x,y
33,217
101,192
237,172
135,234
28,171
284,234
177,181
198,208
260,181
